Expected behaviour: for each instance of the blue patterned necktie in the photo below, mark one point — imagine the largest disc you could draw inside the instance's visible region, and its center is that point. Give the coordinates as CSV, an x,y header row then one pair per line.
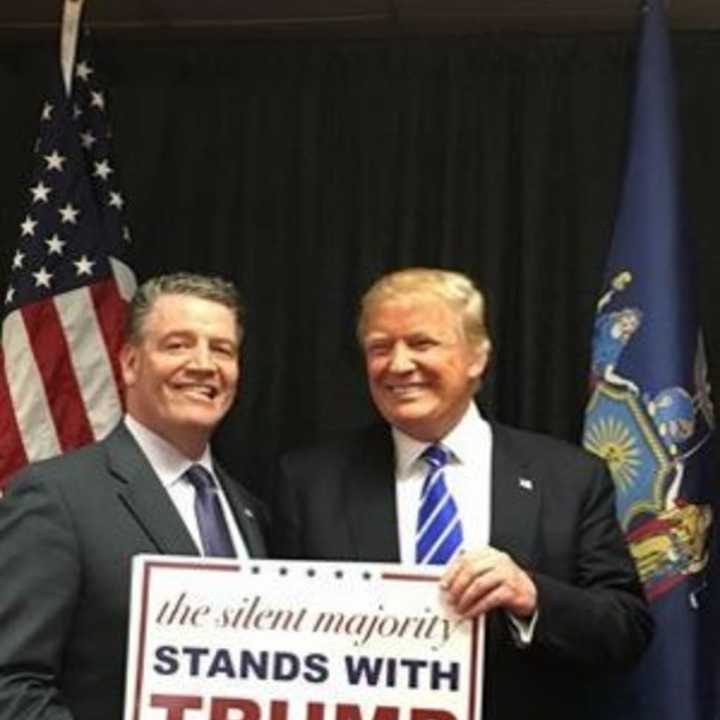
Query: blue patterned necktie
x,y
214,531
439,530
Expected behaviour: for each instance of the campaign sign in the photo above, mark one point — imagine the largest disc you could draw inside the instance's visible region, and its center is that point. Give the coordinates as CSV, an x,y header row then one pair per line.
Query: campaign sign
x,y
294,640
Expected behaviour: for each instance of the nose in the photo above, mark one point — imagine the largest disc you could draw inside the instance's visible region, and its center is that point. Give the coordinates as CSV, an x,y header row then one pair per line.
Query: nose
x,y
401,358
201,358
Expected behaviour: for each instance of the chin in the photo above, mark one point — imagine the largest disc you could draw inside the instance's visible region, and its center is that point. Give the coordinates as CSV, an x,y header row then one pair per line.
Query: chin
x,y
410,423
204,421
411,411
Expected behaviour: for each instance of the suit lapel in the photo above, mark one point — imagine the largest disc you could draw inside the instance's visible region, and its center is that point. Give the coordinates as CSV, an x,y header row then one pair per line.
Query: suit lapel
x,y
245,517
142,493
372,505
371,502
516,499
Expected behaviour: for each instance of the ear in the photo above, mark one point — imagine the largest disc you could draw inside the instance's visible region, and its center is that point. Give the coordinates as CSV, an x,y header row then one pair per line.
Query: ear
x,y
479,362
129,360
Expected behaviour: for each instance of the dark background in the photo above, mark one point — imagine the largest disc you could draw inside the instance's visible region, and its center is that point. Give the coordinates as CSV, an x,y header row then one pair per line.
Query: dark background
x,y
304,168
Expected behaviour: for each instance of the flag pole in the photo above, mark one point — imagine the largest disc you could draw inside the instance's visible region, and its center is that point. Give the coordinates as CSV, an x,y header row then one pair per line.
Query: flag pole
x,y
72,12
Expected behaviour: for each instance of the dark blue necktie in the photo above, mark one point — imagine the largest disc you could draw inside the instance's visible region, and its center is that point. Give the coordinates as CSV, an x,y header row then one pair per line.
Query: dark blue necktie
x,y
439,530
214,531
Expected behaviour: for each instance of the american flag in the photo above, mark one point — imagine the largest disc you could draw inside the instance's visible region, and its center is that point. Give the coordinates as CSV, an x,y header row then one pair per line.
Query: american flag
x,y
69,284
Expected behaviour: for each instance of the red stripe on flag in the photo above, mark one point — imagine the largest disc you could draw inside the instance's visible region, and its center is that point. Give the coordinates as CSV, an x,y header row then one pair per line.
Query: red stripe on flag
x,y
111,312
12,452
61,387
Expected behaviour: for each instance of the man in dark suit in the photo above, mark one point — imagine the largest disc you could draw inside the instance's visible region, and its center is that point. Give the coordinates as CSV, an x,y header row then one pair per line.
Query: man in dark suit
x,y
70,526
525,524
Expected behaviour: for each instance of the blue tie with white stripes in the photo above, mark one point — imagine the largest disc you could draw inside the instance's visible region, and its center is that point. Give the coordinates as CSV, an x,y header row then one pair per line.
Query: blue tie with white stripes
x,y
439,530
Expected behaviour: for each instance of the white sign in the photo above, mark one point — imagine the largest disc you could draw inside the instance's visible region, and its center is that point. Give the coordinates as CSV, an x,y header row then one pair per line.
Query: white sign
x,y
294,640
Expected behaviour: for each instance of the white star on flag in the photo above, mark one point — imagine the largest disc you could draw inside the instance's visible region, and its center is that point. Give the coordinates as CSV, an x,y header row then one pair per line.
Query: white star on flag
x,y
42,278
28,226
9,295
47,111
68,214
83,71
40,192
18,260
103,169
55,161
55,245
116,200
77,112
84,266
87,139
97,100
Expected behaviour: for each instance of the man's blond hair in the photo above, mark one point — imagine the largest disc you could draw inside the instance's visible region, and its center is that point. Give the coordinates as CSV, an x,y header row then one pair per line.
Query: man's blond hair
x,y
454,288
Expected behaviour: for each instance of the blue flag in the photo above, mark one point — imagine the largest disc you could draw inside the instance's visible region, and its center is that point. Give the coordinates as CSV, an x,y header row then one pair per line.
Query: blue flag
x,y
650,414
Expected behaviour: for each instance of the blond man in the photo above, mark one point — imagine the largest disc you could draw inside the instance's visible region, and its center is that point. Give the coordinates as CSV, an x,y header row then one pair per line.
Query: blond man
x,y
524,525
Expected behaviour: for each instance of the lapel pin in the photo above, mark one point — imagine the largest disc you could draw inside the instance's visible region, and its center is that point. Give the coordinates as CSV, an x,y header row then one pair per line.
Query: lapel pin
x,y
525,484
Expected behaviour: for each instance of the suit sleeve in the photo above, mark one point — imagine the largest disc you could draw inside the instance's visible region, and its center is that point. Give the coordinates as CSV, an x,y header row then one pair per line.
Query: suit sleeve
x,y
40,579
601,618
285,537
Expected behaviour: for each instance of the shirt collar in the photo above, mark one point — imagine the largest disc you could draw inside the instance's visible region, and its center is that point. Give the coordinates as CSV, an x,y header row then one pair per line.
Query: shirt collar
x,y
465,442
165,459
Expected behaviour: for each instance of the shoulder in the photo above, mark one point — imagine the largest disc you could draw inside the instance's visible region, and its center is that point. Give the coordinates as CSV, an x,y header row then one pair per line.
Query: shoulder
x,y
347,448
47,501
63,468
74,473
538,449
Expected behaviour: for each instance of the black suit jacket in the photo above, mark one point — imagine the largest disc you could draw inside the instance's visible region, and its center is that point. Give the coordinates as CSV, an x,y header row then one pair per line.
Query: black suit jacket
x,y
69,528
552,511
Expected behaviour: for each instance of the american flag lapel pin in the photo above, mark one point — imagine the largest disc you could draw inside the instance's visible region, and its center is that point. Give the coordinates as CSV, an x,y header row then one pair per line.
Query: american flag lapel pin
x,y
526,484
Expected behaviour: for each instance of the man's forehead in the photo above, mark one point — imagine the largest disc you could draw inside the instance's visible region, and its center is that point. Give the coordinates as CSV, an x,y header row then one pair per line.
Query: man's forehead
x,y
185,304
172,311
419,309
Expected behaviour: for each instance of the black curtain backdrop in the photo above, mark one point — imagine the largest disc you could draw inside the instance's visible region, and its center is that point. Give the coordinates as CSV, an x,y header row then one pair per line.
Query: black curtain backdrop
x,y
303,170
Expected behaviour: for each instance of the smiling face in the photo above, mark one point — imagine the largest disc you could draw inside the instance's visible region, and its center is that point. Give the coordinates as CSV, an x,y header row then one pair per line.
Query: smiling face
x,y
181,375
422,371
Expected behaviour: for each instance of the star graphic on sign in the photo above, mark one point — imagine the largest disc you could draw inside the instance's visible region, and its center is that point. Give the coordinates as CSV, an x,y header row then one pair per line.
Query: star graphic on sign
x,y
9,295
68,214
83,71
97,100
55,161
116,200
18,260
47,111
40,192
55,245
87,139
42,278
103,169
84,266
28,226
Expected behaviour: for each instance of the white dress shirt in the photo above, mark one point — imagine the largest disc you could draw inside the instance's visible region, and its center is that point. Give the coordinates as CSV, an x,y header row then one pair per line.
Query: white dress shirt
x,y
467,476
170,466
